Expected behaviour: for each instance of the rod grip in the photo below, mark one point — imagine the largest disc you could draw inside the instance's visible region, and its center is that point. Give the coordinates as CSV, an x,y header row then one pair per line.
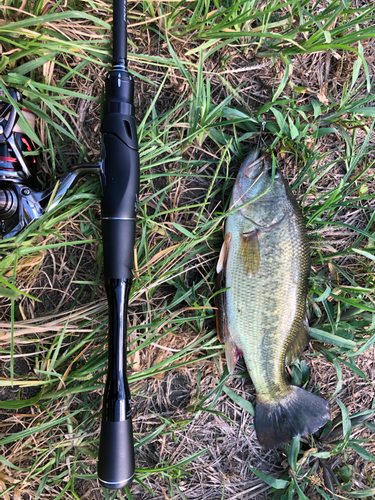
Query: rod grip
x,y
116,454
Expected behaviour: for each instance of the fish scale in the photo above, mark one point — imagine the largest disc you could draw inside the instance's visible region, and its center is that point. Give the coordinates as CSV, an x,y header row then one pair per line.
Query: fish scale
x,y
265,263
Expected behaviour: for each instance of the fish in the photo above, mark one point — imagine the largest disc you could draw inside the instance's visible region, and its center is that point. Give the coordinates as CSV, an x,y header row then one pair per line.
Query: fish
x,y
264,265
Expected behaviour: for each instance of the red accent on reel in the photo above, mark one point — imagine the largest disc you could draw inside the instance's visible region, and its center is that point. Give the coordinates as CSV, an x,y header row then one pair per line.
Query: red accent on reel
x,y
28,147
8,158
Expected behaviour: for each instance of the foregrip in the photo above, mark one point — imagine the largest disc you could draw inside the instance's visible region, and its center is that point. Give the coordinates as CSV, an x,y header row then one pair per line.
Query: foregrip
x,y
120,180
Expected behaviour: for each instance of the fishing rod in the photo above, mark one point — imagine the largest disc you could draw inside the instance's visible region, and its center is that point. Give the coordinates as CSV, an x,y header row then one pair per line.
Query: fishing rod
x,y
22,202
120,178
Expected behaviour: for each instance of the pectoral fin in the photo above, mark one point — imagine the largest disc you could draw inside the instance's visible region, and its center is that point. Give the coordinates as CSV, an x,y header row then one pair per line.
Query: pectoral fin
x,y
250,252
298,343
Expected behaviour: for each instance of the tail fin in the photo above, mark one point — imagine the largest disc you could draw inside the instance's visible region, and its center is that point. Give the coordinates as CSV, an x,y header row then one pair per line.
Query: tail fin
x,y
298,413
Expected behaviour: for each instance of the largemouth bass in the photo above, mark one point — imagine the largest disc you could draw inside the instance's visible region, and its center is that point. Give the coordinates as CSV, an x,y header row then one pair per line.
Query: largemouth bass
x,y
265,263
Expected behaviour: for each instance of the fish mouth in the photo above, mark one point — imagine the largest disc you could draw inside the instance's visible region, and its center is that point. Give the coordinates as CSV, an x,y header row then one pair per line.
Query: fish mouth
x,y
253,165
252,156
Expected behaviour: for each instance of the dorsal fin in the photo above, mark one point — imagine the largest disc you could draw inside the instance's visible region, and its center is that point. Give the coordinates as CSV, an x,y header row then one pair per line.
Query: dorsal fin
x,y
299,342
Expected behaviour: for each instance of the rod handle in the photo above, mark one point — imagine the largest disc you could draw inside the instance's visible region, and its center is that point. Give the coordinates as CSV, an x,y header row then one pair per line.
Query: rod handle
x,y
116,463
116,447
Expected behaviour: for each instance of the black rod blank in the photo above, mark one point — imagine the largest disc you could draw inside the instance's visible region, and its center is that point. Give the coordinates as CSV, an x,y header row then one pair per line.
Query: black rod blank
x,y
119,33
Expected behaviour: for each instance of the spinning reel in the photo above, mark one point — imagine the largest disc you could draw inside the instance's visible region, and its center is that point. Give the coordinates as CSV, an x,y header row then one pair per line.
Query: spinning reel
x,y
21,200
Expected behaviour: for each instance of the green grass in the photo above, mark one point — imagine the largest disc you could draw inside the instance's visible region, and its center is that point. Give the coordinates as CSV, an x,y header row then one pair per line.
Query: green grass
x,y
179,234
